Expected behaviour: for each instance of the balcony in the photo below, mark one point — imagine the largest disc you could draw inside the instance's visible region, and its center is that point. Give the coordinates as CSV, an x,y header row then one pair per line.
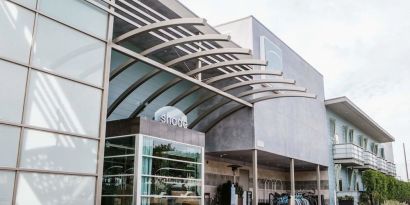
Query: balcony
x,y
391,169
382,165
348,154
370,161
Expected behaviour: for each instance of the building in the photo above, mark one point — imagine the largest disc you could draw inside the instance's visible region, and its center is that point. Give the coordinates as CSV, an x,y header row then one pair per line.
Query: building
x,y
358,144
142,102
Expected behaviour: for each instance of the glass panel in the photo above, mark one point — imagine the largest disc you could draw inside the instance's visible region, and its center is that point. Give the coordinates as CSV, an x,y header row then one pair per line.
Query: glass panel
x,y
13,77
44,150
6,187
120,146
162,167
39,189
118,185
29,3
118,165
87,17
68,52
170,187
169,201
63,105
9,142
117,200
166,149
272,54
16,31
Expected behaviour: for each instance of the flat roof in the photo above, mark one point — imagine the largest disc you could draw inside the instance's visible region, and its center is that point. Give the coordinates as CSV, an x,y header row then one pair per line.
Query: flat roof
x,y
345,108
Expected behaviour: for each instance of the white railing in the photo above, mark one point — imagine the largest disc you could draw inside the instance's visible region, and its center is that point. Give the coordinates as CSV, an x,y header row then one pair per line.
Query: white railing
x,y
370,159
391,168
382,164
348,151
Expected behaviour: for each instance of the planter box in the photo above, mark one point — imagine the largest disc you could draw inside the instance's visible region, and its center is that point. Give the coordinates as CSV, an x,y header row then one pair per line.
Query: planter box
x,y
345,202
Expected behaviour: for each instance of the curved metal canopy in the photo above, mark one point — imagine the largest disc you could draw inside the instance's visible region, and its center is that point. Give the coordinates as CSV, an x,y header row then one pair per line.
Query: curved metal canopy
x,y
215,50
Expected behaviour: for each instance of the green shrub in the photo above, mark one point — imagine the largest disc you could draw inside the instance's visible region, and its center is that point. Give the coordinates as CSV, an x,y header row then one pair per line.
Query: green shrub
x,y
380,187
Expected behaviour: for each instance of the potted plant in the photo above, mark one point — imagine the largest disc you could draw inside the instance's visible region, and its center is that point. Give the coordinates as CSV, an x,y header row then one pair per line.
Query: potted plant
x,y
345,200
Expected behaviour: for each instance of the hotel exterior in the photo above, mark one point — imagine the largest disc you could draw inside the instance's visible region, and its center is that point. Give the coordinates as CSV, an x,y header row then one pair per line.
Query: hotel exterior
x,y
142,102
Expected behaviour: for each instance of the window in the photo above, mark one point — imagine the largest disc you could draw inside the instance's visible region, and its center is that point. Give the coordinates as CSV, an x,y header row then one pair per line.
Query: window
x,y
376,149
68,52
6,187
332,128
382,153
36,188
172,170
351,136
365,143
271,53
87,17
9,142
360,140
48,151
63,105
345,131
12,78
16,31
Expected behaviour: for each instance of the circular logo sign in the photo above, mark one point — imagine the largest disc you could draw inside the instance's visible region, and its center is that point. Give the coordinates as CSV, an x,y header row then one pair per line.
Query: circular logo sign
x,y
171,115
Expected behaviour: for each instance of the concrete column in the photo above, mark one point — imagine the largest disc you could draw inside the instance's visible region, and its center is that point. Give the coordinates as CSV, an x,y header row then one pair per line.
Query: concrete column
x,y
255,177
292,182
318,184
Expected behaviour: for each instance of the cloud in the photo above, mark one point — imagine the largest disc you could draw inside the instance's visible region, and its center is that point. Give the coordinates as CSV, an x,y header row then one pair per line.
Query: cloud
x,y
361,47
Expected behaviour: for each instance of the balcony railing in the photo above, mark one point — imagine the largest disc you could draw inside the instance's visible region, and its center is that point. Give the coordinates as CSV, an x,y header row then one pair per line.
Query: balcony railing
x,y
382,165
370,159
348,154
391,169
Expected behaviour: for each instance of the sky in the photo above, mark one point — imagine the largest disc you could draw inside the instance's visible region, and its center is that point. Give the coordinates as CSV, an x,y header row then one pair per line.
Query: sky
x,y
362,48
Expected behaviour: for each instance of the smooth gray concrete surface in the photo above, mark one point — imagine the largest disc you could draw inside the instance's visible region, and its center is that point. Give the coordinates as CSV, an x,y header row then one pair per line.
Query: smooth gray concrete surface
x,y
291,127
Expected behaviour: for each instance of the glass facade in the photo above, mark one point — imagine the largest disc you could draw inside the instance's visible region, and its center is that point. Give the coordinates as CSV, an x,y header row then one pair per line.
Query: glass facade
x,y
51,80
166,172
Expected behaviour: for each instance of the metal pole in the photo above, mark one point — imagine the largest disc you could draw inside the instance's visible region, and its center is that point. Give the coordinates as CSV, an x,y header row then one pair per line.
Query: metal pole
x,y
405,161
292,182
318,185
255,177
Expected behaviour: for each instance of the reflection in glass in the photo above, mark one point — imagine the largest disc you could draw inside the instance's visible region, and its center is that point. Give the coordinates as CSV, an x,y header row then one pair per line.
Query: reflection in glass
x,y
166,149
12,78
169,201
36,188
9,141
170,187
120,146
119,165
118,185
16,31
6,187
116,200
162,167
49,151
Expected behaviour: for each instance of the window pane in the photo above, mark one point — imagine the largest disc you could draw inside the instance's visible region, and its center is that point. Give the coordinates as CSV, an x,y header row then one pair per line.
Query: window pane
x,y
12,78
170,187
166,149
87,17
9,142
16,31
28,3
118,185
118,165
161,167
120,146
44,150
68,52
63,105
36,188
6,187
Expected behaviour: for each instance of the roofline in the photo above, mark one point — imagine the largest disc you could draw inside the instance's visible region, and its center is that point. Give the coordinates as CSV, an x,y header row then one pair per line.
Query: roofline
x,y
360,112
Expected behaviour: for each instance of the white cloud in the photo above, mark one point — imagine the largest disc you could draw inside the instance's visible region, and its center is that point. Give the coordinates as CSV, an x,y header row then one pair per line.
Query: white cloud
x,y
361,47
